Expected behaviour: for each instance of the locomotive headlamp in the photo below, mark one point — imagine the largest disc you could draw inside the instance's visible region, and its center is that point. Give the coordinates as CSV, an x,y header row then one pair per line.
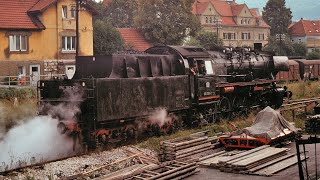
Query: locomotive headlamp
x,y
42,84
83,84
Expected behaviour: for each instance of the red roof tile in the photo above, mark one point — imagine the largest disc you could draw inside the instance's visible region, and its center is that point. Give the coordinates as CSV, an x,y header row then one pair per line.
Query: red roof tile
x,y
132,37
305,27
199,8
237,8
42,5
13,14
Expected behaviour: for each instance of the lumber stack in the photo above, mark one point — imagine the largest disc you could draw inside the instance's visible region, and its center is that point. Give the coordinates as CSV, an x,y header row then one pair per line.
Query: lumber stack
x,y
167,170
264,161
184,148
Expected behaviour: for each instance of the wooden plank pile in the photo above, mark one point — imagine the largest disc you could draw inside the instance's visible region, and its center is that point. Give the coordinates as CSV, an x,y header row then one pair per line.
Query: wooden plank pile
x,y
264,161
184,148
167,170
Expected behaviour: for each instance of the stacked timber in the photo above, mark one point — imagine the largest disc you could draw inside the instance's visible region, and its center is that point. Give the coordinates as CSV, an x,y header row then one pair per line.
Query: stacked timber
x,y
264,161
167,170
183,148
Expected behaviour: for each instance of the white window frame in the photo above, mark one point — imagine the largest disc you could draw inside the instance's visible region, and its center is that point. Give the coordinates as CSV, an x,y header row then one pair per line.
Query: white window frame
x,y
64,11
64,40
245,36
13,43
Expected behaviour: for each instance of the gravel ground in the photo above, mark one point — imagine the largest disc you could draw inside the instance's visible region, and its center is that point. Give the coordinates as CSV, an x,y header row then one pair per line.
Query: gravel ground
x,y
80,164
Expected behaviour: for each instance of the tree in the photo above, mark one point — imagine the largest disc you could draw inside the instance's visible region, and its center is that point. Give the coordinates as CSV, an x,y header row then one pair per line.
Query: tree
x,y
314,55
106,39
100,7
277,16
166,21
121,13
299,49
285,47
209,40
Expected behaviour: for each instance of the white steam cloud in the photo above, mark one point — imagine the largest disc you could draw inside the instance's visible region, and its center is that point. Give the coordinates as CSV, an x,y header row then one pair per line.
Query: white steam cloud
x,y
32,142
38,139
160,117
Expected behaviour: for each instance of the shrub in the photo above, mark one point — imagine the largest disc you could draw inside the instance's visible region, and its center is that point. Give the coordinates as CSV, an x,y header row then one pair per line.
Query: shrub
x,y
20,93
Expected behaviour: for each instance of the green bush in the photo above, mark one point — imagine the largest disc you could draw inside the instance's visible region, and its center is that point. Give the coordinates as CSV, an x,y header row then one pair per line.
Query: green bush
x,y
313,55
21,93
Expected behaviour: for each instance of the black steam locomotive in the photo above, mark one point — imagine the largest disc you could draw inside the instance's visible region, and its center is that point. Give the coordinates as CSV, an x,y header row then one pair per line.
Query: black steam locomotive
x,y
116,95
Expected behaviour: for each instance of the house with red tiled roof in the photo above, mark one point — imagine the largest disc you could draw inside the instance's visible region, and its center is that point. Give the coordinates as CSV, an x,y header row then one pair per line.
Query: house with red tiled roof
x,y
38,37
307,32
133,39
235,23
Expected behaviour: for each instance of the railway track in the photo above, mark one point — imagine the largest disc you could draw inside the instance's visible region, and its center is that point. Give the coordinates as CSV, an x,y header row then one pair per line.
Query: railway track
x,y
299,104
287,106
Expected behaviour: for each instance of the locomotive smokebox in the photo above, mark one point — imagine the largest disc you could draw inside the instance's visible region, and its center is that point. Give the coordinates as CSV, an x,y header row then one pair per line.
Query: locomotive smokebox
x,y
281,63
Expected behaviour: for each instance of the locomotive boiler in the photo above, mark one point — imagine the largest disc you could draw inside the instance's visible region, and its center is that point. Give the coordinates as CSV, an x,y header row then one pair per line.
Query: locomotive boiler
x,y
118,95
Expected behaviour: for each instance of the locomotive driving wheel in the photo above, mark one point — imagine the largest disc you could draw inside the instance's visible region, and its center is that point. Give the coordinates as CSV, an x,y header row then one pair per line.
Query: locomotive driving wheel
x,y
225,108
239,106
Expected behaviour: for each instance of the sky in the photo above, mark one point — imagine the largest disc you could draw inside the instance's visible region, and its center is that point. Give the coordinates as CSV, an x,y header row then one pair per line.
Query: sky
x,y
306,9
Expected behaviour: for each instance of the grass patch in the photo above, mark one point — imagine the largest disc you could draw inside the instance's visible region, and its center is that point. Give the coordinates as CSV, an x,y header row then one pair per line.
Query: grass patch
x,y
303,89
12,113
20,93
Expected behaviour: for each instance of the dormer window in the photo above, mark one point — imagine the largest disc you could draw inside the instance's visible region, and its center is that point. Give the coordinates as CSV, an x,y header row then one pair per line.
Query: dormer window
x,y
209,9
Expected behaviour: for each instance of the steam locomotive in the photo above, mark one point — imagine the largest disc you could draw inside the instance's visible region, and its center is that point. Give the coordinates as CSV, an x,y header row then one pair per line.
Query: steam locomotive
x,y
116,95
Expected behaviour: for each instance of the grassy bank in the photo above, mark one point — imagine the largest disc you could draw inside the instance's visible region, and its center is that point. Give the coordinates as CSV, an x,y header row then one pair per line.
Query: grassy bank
x,y
16,105
303,89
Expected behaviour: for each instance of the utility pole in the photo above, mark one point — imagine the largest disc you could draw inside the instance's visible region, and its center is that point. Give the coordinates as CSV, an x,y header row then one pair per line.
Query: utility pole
x,y
217,22
78,2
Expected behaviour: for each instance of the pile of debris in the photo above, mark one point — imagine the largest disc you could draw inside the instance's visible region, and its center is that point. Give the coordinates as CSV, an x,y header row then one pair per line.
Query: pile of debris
x,y
264,161
185,148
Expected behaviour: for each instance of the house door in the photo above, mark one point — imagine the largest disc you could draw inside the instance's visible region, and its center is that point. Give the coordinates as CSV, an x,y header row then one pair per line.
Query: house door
x,y
70,70
34,74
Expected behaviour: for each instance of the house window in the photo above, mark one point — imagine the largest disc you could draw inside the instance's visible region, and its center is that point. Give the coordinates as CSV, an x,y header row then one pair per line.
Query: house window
x,y
229,36
64,12
245,36
73,11
18,42
207,20
261,36
210,20
68,43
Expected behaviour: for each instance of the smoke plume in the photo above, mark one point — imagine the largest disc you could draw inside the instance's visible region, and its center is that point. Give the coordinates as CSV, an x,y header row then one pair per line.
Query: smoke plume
x,y
160,117
38,139
33,141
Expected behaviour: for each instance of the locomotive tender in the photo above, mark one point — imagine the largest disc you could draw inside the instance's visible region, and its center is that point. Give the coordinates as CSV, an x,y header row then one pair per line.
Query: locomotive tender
x,y
119,93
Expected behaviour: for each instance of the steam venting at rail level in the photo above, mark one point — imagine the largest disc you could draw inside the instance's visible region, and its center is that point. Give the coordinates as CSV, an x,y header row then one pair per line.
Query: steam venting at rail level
x,y
38,139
